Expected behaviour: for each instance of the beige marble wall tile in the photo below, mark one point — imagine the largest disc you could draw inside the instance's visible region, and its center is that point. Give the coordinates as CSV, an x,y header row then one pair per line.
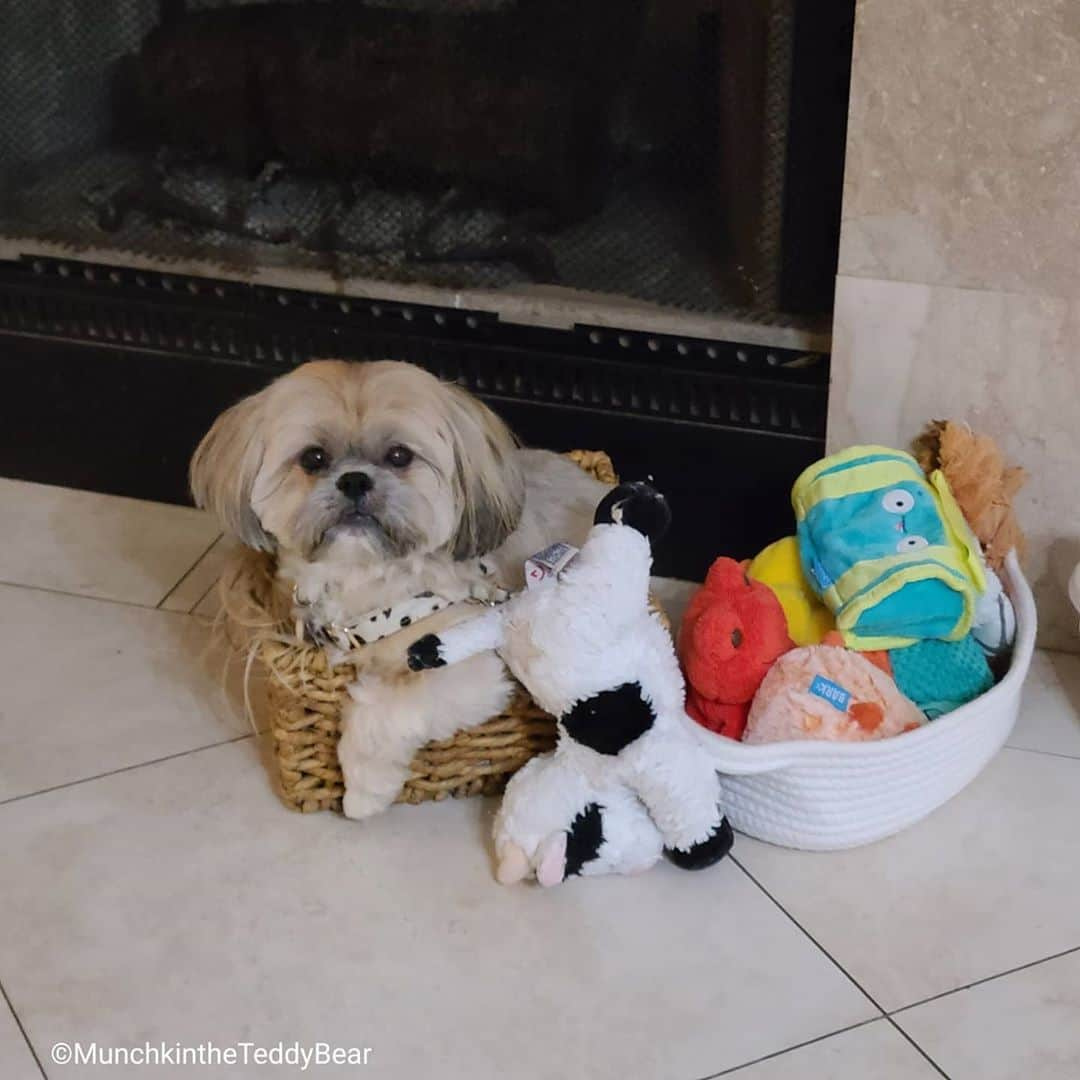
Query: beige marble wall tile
x,y
1007,363
963,159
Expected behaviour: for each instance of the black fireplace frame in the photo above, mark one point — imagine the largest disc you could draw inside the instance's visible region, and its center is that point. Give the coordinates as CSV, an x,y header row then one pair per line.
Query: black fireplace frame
x,y
113,373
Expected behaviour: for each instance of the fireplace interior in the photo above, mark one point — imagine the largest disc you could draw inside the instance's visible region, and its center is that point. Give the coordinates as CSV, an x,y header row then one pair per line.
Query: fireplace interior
x,y
614,148
641,194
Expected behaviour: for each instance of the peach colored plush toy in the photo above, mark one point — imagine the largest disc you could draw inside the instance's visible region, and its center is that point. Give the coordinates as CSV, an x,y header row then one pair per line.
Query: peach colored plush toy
x,y
829,693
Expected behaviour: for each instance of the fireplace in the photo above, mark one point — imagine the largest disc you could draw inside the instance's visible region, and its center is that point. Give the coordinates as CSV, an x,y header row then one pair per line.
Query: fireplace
x,y
615,219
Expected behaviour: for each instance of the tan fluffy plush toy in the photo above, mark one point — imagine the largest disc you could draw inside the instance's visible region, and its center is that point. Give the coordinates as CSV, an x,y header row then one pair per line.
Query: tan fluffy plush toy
x,y
982,484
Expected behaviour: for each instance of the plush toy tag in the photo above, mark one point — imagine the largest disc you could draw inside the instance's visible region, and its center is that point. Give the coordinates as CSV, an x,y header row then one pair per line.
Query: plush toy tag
x,y
548,564
831,692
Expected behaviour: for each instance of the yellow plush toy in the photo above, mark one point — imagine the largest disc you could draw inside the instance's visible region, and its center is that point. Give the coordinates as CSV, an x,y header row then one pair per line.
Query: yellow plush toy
x,y
779,567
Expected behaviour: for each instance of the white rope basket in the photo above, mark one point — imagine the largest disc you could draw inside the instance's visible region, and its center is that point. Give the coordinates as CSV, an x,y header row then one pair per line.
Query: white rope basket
x,y
826,796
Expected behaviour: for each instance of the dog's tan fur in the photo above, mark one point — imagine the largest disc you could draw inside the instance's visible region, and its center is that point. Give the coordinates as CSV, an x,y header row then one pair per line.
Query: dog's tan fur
x,y
469,494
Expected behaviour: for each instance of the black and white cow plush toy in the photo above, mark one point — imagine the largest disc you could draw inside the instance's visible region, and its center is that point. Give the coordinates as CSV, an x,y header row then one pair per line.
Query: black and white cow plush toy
x,y
629,777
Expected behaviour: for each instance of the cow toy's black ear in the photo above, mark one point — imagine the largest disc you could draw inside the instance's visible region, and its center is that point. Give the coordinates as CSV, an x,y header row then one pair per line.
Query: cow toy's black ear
x,y
637,505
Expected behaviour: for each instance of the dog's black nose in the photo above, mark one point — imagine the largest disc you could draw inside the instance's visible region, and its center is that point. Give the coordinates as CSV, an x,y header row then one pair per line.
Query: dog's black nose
x,y
354,485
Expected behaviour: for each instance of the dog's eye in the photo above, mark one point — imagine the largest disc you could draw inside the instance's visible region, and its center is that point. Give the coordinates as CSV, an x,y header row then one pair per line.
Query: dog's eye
x,y
399,456
314,459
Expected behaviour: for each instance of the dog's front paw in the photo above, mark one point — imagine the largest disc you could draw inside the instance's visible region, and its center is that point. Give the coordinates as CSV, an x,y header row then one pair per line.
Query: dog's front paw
x,y
638,505
358,804
426,653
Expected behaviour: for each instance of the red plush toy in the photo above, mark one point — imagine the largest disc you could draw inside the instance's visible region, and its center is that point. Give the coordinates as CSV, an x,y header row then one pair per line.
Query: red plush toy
x,y
733,631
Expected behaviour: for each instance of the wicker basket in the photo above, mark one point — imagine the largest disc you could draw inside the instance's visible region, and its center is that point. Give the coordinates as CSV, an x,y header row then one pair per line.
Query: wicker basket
x,y
305,695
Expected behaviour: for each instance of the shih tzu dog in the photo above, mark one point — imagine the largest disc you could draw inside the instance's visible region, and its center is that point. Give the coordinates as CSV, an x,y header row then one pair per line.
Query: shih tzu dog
x,y
389,499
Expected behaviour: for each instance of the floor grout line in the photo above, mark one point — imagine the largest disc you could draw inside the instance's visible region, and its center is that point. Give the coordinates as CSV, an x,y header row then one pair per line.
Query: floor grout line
x,y
189,571
22,1030
907,1038
795,1046
1045,753
817,944
125,769
840,967
986,979
133,604
209,589
84,596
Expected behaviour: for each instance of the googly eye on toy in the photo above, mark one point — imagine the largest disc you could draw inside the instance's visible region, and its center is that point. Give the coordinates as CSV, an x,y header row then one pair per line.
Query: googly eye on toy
x,y
898,501
912,543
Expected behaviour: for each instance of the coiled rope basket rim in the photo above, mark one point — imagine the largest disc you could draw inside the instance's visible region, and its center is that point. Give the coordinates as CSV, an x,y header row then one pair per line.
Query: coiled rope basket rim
x,y
305,694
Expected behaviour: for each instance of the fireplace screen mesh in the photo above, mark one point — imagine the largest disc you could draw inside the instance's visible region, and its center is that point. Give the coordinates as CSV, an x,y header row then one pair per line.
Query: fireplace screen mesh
x,y
458,143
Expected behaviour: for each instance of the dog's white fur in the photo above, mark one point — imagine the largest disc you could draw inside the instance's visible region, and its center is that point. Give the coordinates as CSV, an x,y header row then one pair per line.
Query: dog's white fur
x,y
469,493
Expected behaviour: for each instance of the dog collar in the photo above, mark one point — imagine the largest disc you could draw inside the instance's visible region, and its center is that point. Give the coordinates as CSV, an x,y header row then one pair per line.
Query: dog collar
x,y
384,622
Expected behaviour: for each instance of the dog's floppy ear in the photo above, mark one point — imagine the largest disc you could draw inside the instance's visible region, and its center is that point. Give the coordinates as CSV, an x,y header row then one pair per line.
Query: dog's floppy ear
x,y
224,467
487,477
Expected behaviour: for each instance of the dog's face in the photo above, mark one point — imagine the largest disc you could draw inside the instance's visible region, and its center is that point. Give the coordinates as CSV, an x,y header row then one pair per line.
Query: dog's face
x,y
362,461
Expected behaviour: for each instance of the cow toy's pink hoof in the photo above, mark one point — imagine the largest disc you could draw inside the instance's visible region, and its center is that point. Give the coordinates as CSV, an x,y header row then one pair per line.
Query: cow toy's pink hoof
x,y
551,864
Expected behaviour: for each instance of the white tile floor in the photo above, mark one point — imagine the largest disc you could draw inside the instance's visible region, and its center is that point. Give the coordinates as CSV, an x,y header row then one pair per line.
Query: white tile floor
x,y
153,890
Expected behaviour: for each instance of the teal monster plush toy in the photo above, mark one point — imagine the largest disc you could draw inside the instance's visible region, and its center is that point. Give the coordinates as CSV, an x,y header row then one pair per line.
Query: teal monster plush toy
x,y
887,549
